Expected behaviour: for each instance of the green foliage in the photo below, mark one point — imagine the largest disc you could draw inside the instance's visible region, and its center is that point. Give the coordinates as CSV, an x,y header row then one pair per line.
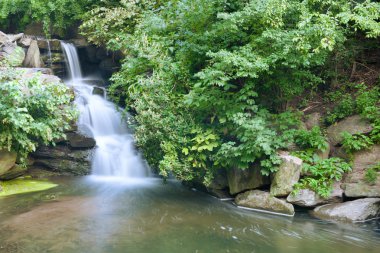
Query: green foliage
x,y
355,142
207,90
357,99
321,174
371,174
312,139
55,15
31,112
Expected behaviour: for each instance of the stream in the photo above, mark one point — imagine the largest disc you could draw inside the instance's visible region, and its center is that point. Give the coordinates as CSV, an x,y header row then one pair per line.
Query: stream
x,y
120,208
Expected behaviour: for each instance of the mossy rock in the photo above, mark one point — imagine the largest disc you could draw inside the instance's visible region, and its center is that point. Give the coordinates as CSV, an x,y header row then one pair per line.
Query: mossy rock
x,y
24,185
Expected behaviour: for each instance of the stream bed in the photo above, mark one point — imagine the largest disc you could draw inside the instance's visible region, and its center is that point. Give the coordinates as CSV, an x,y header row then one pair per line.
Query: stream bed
x,y
113,215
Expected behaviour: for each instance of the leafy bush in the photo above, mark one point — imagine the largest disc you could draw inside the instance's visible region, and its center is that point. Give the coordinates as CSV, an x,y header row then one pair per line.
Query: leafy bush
x,y
355,142
207,90
32,112
312,139
322,174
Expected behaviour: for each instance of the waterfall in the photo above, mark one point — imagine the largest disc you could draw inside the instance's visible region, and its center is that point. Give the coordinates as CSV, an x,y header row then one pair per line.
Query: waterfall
x,y
49,53
115,154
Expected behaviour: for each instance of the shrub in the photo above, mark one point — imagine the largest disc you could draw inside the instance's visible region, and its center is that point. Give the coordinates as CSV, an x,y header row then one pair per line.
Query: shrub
x,y
32,112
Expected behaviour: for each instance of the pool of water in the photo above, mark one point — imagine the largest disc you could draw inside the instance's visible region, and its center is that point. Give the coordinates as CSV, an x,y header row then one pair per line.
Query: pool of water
x,y
95,214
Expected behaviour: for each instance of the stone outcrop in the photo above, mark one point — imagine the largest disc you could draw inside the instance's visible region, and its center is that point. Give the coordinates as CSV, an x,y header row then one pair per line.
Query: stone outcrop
x,y
287,175
354,183
77,140
7,161
240,180
264,201
14,172
308,198
33,56
351,211
64,160
353,125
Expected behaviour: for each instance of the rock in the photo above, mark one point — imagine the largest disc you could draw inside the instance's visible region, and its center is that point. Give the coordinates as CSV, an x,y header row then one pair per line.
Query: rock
x,y
79,42
15,37
25,42
354,183
34,29
91,54
264,201
308,198
353,125
13,55
350,211
33,56
77,140
77,168
50,79
324,154
108,65
13,173
101,54
55,45
220,194
99,91
3,38
240,180
219,182
312,120
287,175
64,160
7,161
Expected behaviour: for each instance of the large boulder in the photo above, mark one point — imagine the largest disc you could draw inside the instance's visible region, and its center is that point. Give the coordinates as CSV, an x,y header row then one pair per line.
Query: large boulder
x,y
7,161
308,198
353,125
240,180
287,175
350,211
12,54
354,183
264,201
33,56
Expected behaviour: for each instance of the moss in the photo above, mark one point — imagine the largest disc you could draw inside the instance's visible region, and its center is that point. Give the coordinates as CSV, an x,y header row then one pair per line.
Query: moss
x,y
24,185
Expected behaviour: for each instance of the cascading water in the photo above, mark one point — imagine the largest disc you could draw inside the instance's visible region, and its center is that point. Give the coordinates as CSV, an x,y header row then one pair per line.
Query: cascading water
x,y
115,154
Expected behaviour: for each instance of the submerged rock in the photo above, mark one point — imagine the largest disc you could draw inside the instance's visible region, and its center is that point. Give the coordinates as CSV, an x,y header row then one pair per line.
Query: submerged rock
x,y
287,175
353,125
351,211
264,201
354,183
240,180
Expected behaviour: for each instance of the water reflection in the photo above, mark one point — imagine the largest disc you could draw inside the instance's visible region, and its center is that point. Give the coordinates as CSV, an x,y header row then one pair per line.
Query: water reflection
x,y
96,214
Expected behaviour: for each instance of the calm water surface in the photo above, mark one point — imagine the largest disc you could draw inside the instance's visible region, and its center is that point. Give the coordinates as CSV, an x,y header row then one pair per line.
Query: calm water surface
x,y
91,214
